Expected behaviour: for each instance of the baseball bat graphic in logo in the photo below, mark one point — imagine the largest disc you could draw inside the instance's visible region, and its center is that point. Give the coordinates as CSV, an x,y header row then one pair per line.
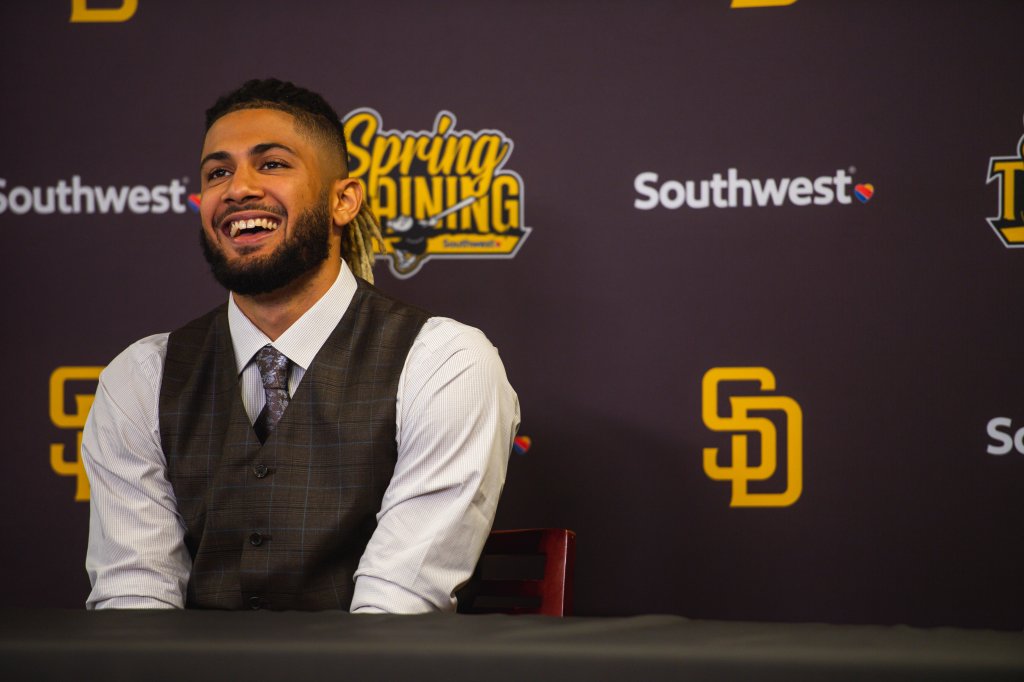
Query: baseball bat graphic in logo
x,y
411,246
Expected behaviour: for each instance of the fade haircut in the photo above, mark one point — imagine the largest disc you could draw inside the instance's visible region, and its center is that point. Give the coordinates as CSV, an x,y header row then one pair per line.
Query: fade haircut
x,y
314,116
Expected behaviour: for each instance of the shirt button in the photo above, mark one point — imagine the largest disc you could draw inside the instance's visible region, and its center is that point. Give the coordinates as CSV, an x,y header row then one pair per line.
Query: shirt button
x,y
255,603
256,539
260,470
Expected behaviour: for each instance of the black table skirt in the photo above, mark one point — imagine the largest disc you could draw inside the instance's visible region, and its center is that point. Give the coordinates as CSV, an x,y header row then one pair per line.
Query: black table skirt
x,y
184,646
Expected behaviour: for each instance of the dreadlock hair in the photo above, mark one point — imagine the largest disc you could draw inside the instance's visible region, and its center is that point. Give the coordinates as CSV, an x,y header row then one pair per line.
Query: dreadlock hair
x,y
315,116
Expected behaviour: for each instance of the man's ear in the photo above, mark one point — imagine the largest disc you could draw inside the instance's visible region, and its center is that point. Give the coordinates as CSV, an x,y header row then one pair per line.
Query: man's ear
x,y
346,199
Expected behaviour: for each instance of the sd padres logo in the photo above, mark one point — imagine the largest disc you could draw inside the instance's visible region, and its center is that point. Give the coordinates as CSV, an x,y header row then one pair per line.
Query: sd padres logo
x,y
1009,171
74,421
740,423
439,193
82,13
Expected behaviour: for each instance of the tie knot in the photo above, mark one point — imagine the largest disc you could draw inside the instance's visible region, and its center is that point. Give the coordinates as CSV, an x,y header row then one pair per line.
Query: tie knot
x,y
273,367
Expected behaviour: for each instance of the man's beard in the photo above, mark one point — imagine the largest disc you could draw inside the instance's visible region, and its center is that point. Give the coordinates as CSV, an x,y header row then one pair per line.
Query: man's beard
x,y
306,247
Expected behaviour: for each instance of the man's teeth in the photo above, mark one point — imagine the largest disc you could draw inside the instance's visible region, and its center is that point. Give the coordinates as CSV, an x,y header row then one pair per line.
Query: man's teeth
x,y
251,224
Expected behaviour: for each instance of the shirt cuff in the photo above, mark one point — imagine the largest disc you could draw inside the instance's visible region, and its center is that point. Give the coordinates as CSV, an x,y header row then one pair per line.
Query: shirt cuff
x,y
374,595
129,603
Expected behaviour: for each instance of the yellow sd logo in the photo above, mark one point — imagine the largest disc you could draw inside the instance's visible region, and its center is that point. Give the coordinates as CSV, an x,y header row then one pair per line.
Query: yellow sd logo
x,y
75,420
740,424
742,4
82,13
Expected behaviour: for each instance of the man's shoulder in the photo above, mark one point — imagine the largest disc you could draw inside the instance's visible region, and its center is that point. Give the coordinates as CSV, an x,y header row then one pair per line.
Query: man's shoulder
x,y
147,356
370,294
439,333
454,346
439,339
143,351
143,358
184,344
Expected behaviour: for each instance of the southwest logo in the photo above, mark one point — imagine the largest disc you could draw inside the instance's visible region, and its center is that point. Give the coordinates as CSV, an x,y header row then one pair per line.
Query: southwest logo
x,y
1009,172
864,192
733,190
521,444
193,202
76,197
439,193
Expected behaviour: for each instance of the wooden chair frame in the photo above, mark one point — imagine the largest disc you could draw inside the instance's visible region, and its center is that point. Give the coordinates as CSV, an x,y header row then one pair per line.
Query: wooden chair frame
x,y
554,590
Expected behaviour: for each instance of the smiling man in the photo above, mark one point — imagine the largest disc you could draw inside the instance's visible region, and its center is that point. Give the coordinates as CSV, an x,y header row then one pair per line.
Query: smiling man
x,y
312,443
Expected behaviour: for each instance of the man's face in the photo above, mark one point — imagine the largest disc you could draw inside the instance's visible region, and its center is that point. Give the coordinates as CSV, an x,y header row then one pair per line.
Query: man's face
x,y
265,219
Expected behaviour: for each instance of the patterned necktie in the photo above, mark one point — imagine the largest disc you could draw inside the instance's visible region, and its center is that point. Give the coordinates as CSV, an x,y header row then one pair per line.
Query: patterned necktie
x,y
274,373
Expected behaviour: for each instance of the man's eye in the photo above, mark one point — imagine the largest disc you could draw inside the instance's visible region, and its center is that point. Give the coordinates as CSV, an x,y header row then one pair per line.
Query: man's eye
x,y
216,173
273,165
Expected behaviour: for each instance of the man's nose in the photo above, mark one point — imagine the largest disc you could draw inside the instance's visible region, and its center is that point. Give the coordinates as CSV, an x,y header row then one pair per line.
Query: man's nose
x,y
244,185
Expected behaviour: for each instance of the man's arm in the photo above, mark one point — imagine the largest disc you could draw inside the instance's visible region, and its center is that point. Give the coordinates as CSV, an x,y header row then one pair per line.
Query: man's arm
x,y
457,416
137,556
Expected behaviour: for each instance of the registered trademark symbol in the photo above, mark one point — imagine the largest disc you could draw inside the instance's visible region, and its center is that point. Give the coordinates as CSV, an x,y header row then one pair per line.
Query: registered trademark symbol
x,y
853,169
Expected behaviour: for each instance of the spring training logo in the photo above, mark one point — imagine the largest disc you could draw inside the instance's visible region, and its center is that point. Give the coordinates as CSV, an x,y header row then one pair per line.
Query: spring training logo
x,y
439,193
1009,172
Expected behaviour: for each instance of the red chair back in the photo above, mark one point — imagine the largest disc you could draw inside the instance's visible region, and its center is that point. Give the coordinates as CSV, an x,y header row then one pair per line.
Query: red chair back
x,y
526,571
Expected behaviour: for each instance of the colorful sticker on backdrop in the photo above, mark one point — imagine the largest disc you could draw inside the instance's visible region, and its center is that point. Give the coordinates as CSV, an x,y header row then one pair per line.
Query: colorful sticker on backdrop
x,y
439,193
1008,172
521,444
864,192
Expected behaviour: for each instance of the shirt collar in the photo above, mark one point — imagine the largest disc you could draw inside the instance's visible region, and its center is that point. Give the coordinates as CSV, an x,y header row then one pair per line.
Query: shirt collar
x,y
301,341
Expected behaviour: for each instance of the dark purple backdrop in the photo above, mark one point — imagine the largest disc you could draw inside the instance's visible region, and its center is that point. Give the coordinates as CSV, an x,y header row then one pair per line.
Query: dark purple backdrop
x,y
895,324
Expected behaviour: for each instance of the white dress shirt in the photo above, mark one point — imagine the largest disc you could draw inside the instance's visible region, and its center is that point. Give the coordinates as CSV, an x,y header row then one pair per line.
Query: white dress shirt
x,y
456,416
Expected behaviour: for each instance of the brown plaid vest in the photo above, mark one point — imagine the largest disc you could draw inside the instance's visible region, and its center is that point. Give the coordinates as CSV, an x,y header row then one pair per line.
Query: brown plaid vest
x,y
282,525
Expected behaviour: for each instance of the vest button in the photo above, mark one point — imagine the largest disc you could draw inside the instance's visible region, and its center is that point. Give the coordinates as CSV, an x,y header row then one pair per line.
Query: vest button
x,y
256,539
255,603
260,470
